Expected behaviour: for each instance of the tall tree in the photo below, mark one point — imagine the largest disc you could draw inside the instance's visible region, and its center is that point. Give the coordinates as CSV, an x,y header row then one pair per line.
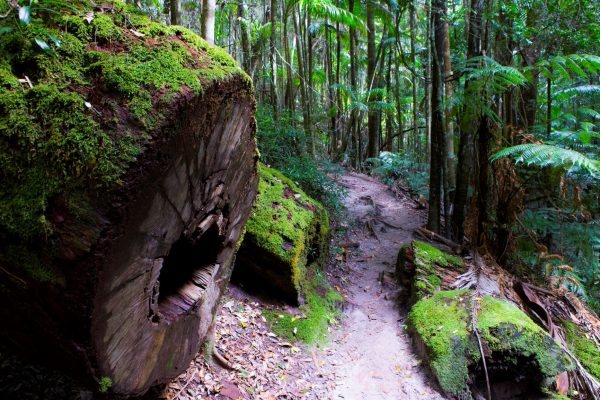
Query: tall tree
x,y
208,20
438,15
468,118
373,116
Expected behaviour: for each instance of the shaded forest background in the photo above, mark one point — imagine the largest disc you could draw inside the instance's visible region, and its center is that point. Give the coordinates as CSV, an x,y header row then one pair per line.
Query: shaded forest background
x,y
441,97
486,110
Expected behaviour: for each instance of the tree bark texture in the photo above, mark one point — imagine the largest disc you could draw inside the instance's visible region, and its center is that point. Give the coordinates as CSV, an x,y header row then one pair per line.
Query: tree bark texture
x,y
144,270
438,155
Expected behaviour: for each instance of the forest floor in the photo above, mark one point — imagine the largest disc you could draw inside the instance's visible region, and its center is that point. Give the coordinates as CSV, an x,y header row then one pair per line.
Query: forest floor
x,y
368,355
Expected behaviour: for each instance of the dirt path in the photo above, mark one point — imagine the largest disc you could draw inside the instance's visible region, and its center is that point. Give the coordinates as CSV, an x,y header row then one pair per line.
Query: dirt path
x,y
371,355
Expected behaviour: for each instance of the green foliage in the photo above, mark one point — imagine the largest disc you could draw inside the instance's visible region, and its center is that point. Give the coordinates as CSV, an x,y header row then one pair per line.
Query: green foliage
x,y
105,384
545,155
403,168
283,145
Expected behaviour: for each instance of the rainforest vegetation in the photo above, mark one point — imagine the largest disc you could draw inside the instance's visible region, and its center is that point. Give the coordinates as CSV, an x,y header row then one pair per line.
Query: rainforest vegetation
x,y
135,136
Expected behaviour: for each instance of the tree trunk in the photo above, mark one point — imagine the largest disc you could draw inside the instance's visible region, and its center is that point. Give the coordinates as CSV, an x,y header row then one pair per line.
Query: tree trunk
x,y
175,12
245,36
142,266
273,60
450,165
413,61
468,120
373,115
352,126
438,156
208,20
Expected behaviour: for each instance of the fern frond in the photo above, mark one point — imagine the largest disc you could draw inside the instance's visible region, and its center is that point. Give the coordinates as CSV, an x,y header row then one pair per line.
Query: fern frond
x,y
545,155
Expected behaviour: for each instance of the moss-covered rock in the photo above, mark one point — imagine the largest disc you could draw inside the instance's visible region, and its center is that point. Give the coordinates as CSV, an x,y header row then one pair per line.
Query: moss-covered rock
x,y
516,349
423,268
287,232
96,98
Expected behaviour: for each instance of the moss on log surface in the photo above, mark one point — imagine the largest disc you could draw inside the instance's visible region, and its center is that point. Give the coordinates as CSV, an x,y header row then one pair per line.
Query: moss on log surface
x,y
128,165
515,348
94,104
286,232
510,339
424,268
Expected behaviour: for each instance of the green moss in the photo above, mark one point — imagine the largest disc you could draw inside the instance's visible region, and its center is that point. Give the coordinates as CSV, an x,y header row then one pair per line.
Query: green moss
x,y
507,329
286,223
427,254
105,29
585,349
319,311
443,323
293,228
105,384
429,265
68,134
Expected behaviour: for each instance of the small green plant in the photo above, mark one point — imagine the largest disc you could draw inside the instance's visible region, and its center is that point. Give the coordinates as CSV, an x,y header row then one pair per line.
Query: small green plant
x,y
105,384
402,168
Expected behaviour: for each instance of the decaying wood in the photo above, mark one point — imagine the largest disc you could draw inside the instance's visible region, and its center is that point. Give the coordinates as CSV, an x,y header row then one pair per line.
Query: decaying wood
x,y
547,307
141,284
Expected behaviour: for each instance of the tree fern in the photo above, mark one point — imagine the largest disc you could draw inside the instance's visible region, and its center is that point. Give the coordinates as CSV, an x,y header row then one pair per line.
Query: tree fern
x,y
546,155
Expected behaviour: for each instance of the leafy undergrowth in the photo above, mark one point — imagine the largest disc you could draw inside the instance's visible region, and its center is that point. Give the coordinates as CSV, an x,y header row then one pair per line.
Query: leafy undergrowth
x,y
315,316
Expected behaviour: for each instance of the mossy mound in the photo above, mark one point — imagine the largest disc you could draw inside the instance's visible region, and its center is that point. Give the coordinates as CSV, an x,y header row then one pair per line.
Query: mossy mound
x,y
287,232
516,349
424,268
97,97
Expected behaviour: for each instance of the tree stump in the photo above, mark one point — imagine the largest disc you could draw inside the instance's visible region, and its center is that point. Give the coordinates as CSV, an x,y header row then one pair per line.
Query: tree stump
x,y
135,265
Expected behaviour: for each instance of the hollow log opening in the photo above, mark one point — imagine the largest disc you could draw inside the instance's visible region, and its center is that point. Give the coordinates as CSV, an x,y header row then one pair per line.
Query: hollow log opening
x,y
186,273
512,377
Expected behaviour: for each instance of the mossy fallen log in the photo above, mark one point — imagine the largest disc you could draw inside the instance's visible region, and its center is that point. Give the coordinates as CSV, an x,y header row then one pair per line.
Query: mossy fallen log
x,y
128,167
286,233
454,329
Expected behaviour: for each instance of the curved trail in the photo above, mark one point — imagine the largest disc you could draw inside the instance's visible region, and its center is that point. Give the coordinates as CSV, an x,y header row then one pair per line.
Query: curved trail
x,y
371,357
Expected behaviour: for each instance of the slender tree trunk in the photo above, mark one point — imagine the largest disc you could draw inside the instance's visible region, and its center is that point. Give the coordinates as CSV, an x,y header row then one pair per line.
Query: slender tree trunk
x,y
289,90
389,128
468,118
353,84
373,115
245,36
450,166
303,81
415,100
176,12
438,14
548,108
208,20
273,60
